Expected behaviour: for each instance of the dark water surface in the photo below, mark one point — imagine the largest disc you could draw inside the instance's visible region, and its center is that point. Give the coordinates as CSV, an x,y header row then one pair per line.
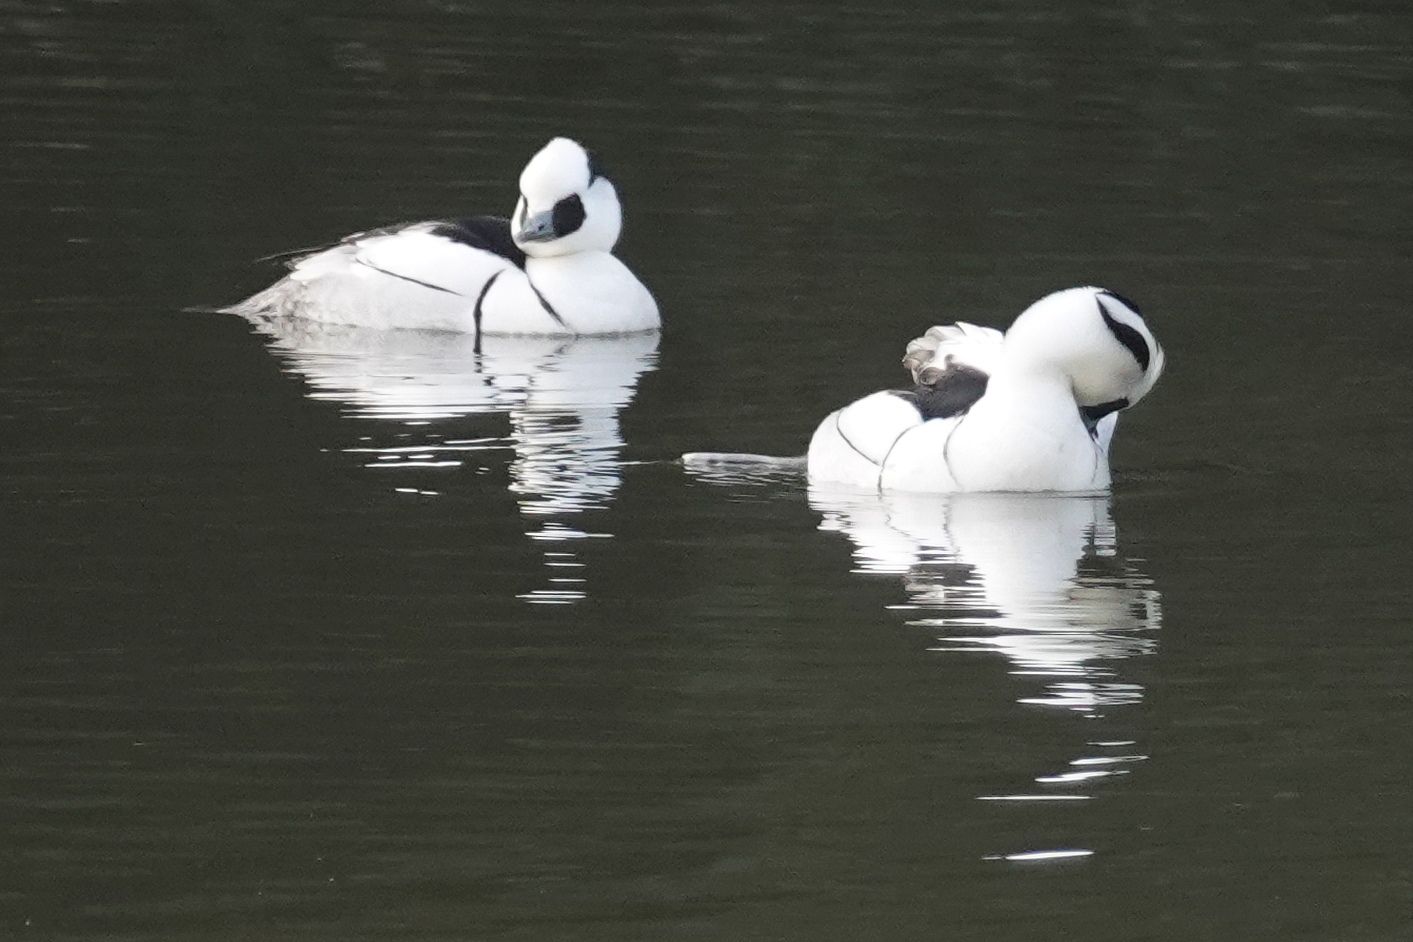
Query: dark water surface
x,y
325,635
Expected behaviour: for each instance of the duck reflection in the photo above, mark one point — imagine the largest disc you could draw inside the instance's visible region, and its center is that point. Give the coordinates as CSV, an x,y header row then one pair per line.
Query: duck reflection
x,y
1037,578
562,397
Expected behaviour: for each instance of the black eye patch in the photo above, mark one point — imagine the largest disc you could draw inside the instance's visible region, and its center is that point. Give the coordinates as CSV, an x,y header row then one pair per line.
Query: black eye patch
x,y
1126,335
568,216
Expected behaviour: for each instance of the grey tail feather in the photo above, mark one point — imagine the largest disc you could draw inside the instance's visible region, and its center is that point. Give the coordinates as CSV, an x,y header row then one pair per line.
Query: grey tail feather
x,y
263,302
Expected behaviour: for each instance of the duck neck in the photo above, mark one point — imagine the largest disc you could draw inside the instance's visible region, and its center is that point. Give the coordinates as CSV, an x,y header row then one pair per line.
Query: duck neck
x,y
1026,434
1032,389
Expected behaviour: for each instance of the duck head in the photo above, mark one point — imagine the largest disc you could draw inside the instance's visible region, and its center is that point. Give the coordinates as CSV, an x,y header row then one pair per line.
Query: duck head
x,y
566,203
1095,337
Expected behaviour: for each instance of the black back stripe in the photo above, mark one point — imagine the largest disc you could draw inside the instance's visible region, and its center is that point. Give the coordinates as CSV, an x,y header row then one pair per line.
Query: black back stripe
x,y
491,233
845,439
415,281
946,453
480,301
544,303
488,233
1127,336
889,453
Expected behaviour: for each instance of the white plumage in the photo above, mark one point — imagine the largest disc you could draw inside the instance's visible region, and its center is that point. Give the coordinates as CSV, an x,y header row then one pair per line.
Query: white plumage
x,y
548,271
1031,410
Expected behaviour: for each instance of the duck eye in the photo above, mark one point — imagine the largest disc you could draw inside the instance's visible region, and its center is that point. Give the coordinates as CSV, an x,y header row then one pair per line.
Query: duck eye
x,y
568,215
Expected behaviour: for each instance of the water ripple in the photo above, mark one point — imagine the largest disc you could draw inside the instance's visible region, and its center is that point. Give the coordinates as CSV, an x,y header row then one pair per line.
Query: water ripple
x,y
561,399
1038,579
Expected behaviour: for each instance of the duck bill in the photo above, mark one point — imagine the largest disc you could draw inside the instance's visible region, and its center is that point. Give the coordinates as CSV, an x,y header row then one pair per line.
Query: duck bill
x,y
537,228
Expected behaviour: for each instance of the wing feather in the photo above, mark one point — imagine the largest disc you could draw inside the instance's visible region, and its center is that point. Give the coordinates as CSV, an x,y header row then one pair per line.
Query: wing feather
x,y
950,366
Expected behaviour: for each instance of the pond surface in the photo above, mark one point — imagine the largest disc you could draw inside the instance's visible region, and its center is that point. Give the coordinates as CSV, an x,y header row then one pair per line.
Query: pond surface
x,y
322,634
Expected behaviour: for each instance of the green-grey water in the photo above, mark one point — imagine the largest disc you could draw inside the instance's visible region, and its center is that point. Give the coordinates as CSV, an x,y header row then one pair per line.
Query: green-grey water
x,y
338,635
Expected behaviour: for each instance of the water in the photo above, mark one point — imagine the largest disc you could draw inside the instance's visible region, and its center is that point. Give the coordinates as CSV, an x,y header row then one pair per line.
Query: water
x,y
329,636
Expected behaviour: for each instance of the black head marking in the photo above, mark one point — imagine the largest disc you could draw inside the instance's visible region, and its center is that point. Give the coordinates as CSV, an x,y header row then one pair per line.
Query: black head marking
x,y
1091,415
1123,300
595,168
1126,335
568,215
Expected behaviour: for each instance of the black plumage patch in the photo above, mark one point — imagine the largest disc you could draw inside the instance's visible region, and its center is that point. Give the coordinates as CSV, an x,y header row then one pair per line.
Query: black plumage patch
x,y
549,308
478,313
595,167
1091,415
401,277
488,233
568,215
954,392
1127,336
1123,300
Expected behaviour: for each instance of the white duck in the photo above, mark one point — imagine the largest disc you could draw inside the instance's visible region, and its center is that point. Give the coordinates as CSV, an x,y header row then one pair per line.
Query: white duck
x,y
549,271
1030,410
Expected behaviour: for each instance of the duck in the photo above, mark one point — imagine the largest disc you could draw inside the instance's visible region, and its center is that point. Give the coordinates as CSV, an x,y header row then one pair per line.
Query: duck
x,y
548,270
1031,409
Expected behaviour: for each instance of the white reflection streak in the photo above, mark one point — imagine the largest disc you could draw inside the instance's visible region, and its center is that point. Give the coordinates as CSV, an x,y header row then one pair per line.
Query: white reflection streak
x,y
1035,578
1034,797
562,398
1108,760
1002,572
1070,778
1041,855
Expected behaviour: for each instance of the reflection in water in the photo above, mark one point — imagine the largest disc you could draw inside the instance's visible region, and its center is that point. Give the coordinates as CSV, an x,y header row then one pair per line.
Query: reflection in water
x,y
562,397
1037,578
